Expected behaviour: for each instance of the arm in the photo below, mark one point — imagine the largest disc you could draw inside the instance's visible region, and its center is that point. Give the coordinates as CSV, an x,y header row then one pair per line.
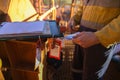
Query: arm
x,y
110,33
78,15
75,20
106,36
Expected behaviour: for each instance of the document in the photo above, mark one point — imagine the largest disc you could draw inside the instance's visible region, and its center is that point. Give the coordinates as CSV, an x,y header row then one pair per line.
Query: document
x,y
12,29
70,36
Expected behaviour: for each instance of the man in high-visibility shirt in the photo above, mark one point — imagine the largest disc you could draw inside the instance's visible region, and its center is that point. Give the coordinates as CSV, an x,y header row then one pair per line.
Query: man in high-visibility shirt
x,y
99,22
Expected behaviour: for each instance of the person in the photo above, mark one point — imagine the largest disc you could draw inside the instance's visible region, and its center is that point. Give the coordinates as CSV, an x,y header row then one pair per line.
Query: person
x,y
4,17
99,27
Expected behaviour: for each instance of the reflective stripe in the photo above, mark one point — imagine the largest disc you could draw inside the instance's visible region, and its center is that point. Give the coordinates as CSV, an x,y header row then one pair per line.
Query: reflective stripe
x,y
103,3
95,13
92,25
92,16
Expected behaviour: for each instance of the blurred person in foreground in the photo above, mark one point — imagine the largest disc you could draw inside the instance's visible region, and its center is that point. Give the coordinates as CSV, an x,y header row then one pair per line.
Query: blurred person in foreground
x,y
99,26
4,17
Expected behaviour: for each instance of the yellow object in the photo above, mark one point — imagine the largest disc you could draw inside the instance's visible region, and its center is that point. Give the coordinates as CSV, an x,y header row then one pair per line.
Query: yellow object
x,y
19,10
110,33
0,63
1,75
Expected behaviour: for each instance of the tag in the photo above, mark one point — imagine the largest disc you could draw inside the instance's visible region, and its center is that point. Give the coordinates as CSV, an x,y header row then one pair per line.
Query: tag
x,y
55,51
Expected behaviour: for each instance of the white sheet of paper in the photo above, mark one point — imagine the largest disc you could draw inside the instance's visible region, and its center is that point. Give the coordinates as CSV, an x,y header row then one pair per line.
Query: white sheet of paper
x,y
22,27
110,53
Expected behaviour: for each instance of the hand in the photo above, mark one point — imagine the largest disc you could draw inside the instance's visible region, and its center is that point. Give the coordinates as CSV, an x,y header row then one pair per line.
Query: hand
x,y
71,27
86,39
70,24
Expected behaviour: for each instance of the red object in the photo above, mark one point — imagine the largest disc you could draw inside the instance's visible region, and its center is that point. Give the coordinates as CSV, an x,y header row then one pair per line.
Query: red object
x,y
57,50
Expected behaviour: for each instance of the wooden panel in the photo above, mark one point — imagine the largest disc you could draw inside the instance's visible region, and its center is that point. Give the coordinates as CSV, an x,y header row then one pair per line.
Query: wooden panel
x,y
22,59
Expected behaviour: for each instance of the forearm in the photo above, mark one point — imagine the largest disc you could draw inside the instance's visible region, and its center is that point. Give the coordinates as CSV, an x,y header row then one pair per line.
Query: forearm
x,y
110,33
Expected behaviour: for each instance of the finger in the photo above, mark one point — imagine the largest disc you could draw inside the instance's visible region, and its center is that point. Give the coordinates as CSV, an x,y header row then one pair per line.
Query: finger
x,y
80,42
75,40
77,35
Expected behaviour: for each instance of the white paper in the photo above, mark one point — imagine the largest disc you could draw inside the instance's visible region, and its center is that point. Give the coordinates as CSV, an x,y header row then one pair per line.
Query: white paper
x,y
70,36
110,53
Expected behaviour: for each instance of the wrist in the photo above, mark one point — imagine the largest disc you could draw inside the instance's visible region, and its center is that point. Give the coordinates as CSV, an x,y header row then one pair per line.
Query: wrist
x,y
75,28
97,41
